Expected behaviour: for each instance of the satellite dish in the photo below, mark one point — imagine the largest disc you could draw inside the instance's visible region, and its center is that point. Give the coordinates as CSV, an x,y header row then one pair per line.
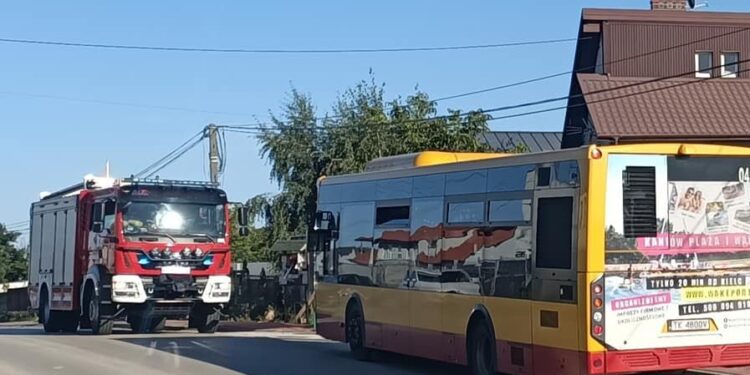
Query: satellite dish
x,y
691,4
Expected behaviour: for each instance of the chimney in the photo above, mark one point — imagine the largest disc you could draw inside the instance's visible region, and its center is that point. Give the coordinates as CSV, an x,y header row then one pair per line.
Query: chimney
x,y
668,5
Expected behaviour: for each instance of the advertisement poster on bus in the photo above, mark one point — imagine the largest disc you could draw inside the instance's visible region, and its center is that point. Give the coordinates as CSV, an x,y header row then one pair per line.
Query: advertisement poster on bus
x,y
691,280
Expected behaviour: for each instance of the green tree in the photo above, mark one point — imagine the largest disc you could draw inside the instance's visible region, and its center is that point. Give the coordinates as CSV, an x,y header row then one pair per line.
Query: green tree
x,y
251,248
13,262
362,126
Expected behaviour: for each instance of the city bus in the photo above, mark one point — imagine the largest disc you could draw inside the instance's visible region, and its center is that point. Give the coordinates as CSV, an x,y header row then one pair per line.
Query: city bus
x,y
596,260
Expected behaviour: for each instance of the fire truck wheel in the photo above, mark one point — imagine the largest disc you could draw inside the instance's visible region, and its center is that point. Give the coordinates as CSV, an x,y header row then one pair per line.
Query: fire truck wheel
x,y
99,324
68,321
157,324
205,319
46,316
146,324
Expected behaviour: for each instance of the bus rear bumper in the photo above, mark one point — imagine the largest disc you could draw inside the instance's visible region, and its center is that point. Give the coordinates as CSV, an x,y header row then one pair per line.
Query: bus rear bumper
x,y
696,357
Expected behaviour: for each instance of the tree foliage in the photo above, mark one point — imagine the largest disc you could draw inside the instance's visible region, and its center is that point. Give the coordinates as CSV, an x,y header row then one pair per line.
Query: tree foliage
x,y
362,126
13,262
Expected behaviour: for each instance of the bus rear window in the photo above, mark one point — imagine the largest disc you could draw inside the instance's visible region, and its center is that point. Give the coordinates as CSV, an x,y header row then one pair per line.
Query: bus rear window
x,y
677,211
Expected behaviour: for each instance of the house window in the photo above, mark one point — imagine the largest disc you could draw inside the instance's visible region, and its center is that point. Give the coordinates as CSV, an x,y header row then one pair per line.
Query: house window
x,y
703,64
730,65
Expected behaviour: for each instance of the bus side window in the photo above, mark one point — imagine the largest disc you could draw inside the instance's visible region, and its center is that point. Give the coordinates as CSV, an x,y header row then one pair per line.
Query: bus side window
x,y
554,234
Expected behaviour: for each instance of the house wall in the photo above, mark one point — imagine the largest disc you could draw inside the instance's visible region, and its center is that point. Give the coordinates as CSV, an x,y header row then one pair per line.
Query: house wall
x,y
629,47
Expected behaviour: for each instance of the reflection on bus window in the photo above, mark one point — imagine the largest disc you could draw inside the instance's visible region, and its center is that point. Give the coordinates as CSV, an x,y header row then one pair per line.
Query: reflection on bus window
x,y
465,212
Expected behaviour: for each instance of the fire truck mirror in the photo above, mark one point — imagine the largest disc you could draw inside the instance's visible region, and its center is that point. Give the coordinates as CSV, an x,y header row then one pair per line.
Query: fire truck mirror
x,y
97,227
242,216
244,231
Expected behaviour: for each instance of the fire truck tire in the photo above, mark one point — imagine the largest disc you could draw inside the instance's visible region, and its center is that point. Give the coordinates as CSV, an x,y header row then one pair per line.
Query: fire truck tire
x,y
204,319
99,324
68,321
147,324
158,324
47,316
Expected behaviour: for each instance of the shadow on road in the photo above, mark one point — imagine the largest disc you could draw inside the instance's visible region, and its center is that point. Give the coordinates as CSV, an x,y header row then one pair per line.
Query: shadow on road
x,y
287,356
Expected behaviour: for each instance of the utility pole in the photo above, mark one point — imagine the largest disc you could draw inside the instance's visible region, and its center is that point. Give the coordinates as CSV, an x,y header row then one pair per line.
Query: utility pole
x,y
213,153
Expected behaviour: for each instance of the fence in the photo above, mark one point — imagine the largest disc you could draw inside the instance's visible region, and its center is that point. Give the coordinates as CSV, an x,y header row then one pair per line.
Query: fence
x,y
264,297
14,298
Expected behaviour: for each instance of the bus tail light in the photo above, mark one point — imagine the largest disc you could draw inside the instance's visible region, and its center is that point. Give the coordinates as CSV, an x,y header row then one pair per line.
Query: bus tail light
x,y
596,363
597,309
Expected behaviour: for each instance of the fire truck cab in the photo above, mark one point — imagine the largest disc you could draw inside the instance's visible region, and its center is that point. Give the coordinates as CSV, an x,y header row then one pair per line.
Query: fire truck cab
x,y
134,249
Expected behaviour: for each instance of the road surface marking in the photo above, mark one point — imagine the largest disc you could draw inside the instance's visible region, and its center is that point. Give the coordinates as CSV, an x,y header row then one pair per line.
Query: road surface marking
x,y
176,351
206,347
152,348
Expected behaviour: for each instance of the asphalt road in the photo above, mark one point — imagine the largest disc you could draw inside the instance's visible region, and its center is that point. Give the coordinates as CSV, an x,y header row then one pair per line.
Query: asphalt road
x,y
26,350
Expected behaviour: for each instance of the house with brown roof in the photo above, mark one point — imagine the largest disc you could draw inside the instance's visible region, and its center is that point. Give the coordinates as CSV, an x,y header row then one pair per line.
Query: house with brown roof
x,y
669,73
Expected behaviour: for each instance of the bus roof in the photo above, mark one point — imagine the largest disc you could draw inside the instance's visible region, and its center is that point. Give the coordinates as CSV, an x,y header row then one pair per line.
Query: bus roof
x,y
432,162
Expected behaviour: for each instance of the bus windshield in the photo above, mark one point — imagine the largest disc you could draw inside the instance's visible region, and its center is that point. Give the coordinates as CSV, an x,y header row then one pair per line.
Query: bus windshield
x,y
678,212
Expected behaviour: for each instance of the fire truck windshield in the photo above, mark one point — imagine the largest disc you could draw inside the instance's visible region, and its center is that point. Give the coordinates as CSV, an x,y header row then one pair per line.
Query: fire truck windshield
x,y
174,219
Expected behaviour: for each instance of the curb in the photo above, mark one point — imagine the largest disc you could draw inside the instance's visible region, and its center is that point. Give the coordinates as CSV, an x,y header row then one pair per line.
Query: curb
x,y
242,326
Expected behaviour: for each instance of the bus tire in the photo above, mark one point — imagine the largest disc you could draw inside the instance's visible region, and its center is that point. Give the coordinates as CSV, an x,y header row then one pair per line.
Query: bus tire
x,y
99,324
480,351
355,333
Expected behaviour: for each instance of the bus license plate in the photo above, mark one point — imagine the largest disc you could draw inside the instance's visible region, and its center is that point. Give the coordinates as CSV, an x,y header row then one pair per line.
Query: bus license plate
x,y
175,270
689,325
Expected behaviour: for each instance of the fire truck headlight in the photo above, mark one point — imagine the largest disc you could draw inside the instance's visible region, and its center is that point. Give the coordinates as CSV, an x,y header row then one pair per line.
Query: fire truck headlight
x,y
186,253
198,252
155,253
127,289
218,290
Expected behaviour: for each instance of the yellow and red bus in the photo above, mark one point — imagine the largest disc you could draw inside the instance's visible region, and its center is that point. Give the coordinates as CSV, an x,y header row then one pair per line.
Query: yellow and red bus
x,y
602,259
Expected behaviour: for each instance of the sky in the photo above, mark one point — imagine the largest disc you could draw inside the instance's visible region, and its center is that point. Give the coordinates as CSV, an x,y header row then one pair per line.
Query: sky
x,y
59,120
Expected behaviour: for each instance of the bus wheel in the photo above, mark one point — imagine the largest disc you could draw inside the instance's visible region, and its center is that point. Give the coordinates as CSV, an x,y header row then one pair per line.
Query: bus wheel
x,y
355,334
481,350
99,324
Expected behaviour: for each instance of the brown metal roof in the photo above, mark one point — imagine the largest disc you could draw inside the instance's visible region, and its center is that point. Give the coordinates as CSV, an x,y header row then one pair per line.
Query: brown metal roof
x,y
677,108
666,16
534,141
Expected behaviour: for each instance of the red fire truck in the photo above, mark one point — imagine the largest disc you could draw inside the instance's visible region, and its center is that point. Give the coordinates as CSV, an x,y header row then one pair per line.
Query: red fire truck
x,y
135,249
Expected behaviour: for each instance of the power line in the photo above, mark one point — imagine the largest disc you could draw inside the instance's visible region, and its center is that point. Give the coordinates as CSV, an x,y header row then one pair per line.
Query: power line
x,y
21,225
155,164
261,127
546,77
680,84
17,223
288,51
174,158
587,68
